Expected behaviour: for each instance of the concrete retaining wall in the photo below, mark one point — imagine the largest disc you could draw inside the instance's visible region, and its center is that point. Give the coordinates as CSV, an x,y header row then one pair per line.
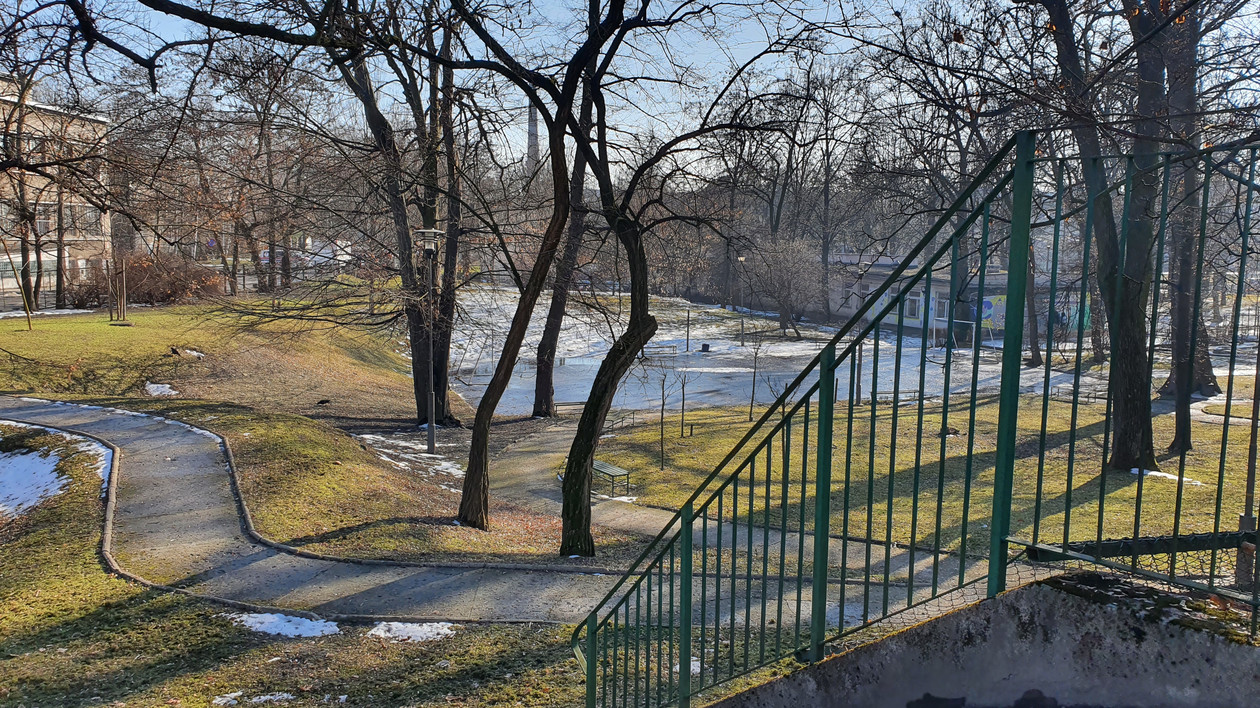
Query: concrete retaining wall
x,y
1086,639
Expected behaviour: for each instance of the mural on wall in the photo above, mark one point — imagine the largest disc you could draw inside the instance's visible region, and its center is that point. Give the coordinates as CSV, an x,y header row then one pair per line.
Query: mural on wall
x,y
993,315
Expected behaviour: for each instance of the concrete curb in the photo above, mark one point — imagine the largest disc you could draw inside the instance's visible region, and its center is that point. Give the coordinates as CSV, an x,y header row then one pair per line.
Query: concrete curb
x,y
247,522
247,519
106,549
107,531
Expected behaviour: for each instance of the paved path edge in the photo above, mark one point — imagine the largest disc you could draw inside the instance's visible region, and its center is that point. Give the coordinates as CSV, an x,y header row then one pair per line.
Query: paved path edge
x,y
107,530
247,519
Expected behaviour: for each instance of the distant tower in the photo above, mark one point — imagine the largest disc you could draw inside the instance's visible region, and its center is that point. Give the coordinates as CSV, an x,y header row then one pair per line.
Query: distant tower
x,y
531,155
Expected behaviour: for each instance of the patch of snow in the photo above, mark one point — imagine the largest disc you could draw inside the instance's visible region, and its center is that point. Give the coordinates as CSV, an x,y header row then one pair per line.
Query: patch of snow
x,y
195,353
1164,475
412,631
39,313
228,699
283,625
272,698
627,500
11,479
26,479
159,390
695,666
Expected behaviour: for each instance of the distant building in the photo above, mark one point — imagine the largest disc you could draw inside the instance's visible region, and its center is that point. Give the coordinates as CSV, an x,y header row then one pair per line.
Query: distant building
x,y
856,277
44,219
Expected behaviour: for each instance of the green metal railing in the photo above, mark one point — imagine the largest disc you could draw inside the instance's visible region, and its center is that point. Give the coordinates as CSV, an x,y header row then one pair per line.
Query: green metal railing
x,y
871,487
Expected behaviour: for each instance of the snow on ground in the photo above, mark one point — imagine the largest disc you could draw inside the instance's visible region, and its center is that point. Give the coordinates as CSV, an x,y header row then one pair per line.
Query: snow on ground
x,y
723,376
159,390
41,313
283,625
412,632
408,452
234,698
1164,475
28,478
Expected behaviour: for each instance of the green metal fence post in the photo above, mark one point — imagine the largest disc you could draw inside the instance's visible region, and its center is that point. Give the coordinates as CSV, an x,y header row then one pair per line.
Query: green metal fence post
x,y
822,502
684,607
1012,358
592,689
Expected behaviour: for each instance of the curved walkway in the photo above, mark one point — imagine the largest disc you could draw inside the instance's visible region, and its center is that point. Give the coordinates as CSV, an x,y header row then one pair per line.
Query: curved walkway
x,y
175,515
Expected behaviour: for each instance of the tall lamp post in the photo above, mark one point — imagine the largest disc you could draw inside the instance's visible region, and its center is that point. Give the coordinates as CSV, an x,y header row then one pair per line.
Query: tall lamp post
x,y
739,282
426,242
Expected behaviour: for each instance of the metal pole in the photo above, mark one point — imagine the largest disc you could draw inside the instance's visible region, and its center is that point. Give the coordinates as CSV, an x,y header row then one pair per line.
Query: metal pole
x,y
592,688
822,504
684,607
1247,521
1012,355
432,258
688,329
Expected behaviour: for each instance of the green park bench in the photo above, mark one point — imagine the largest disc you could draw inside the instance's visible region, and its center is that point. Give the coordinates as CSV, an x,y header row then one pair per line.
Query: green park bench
x,y
612,473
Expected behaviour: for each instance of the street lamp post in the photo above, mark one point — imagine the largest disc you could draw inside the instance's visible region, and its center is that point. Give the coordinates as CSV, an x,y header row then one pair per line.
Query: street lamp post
x,y
740,283
427,240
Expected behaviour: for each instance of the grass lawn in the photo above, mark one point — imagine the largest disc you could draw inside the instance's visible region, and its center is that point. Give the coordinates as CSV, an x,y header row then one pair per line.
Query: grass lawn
x,y
884,495
362,377
307,482
72,635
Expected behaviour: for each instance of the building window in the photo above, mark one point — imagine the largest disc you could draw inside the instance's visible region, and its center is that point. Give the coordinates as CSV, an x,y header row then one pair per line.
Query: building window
x,y
942,308
913,303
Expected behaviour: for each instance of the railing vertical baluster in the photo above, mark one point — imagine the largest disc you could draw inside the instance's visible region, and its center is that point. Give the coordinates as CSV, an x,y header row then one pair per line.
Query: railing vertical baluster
x,y
928,311
1156,276
947,375
800,531
592,686
1086,238
822,502
1184,387
870,476
1051,321
684,611
1012,345
977,328
783,511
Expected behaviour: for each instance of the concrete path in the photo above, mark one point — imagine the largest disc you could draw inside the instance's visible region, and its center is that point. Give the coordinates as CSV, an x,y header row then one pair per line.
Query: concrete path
x,y
177,520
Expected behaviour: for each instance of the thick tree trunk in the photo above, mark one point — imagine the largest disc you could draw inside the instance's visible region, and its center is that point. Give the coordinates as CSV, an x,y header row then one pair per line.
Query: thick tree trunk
x,y
1125,277
1124,282
358,79
576,536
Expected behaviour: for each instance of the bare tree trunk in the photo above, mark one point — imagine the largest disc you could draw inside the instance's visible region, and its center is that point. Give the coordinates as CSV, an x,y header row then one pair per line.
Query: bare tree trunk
x,y
1030,299
1191,370
575,516
286,265
28,288
544,389
454,232
1124,285
358,79
474,504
